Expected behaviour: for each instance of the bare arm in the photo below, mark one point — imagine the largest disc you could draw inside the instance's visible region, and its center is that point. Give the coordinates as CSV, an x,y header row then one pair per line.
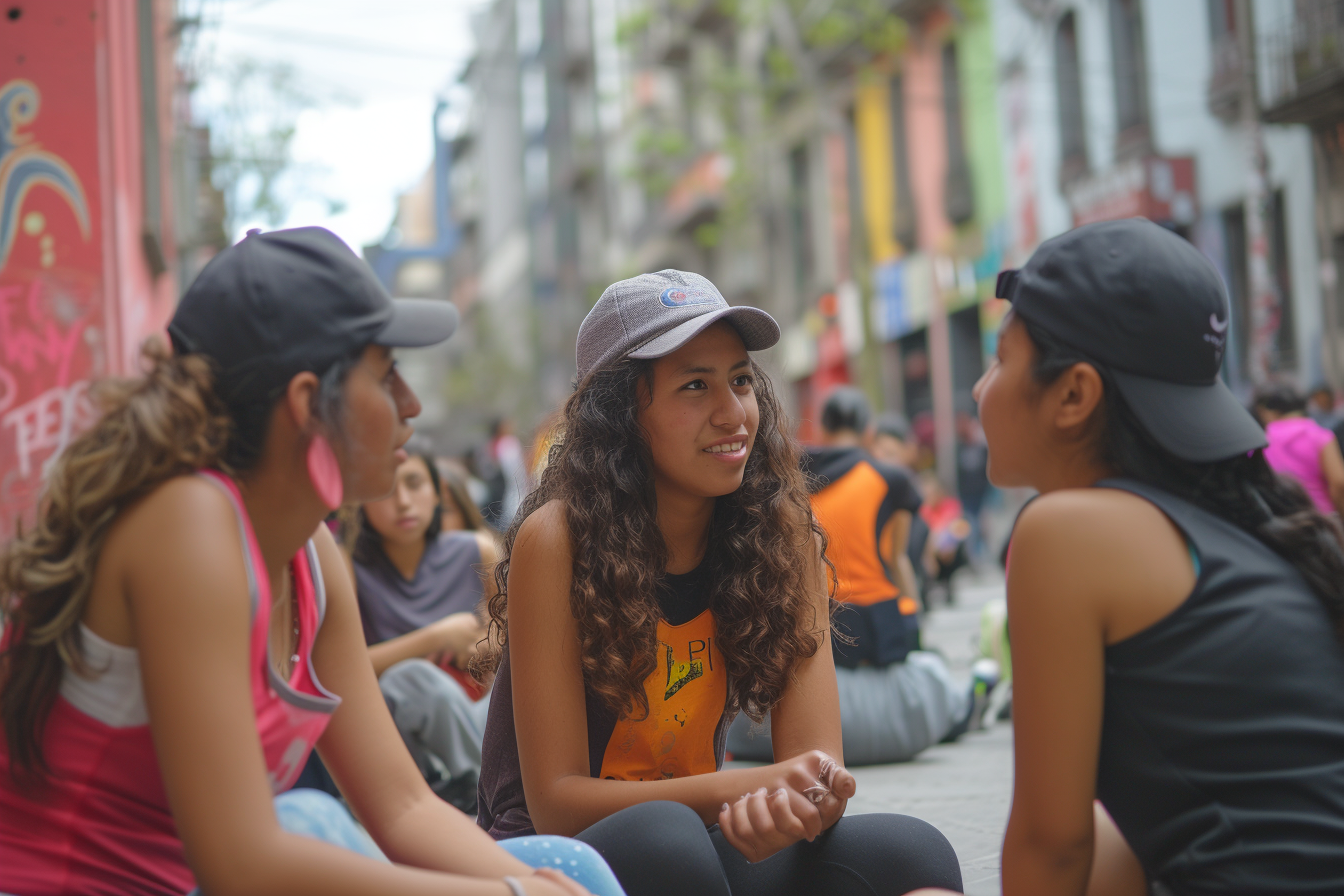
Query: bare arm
x,y
897,534
1332,466
548,702
182,542
1090,568
456,634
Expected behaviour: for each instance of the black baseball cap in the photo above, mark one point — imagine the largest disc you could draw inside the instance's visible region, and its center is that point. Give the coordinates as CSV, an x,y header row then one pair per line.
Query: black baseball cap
x,y
279,303
1151,309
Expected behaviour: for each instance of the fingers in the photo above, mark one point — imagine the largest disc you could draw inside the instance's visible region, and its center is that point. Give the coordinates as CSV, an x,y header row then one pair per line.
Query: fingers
x,y
735,837
807,812
843,784
785,822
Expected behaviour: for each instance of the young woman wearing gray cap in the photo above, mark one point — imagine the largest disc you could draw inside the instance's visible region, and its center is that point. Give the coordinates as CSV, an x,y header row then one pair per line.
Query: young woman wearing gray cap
x,y
1175,608
665,574
180,629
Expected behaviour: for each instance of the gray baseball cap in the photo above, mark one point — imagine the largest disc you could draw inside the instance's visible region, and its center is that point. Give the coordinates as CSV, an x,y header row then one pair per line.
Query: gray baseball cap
x,y
653,315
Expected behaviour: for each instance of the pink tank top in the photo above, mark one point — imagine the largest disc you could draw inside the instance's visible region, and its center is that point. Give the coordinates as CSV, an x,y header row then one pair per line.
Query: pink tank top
x,y
103,825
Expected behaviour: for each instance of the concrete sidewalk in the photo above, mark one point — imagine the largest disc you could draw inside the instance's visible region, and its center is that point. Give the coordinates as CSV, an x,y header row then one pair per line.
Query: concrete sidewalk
x,y
963,789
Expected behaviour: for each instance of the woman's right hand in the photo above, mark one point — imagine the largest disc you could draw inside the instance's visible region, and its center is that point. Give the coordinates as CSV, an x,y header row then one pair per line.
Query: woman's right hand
x,y
761,823
549,882
456,636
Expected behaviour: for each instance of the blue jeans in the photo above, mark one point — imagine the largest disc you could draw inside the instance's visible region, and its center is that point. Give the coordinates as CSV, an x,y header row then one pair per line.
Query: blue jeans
x,y
315,814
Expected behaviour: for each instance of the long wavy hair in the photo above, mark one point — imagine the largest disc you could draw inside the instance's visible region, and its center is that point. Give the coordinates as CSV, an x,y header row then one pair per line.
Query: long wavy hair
x,y
760,538
164,424
1243,490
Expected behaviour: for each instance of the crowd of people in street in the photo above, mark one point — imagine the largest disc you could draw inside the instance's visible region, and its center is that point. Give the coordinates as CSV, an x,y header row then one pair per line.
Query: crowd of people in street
x,y
261,640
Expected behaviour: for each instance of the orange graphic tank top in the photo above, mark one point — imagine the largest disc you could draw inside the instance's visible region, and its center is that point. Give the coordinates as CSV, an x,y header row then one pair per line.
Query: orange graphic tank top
x,y
687,693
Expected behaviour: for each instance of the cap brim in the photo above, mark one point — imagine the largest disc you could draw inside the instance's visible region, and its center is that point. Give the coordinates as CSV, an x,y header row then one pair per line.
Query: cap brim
x,y
417,323
1200,424
757,329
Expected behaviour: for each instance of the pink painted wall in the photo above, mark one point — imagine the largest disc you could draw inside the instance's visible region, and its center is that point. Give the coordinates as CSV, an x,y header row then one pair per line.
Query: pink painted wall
x,y
76,294
927,142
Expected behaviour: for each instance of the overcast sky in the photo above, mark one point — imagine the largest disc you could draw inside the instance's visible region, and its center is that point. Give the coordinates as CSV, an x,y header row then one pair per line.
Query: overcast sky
x,y
377,68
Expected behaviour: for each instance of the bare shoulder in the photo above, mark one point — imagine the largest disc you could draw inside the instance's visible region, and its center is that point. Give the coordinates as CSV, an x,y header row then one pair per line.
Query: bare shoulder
x,y
545,531
178,513
1102,548
1092,518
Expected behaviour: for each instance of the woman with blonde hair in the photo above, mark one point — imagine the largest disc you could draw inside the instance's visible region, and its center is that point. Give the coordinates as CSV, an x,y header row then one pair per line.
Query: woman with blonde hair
x,y
180,630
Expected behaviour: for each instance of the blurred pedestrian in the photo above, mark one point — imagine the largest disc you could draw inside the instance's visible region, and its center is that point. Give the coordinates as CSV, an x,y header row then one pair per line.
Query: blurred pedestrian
x,y
973,488
1321,406
420,590
501,465
177,638
459,511
949,531
665,574
1301,448
895,700
1175,607
894,443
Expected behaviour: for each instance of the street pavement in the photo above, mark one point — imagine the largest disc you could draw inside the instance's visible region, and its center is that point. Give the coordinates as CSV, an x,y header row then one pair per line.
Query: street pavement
x,y
964,789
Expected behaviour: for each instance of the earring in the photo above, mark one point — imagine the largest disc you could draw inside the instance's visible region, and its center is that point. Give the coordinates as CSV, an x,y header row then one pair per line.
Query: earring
x,y
325,473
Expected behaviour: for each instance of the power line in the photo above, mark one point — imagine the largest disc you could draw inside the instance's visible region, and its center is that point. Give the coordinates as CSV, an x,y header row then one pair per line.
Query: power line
x,y
336,42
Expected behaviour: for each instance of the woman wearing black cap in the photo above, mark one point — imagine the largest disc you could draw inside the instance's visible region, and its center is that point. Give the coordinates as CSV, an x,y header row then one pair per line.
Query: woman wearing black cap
x,y
1175,608
666,574
180,629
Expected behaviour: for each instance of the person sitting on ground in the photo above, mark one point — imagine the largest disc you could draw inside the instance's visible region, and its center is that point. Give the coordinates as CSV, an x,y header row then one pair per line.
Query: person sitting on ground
x,y
180,628
1301,448
1175,607
895,699
419,594
665,575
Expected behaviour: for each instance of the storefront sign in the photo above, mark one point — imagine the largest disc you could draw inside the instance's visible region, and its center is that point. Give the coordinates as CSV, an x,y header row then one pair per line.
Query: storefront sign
x,y
1156,188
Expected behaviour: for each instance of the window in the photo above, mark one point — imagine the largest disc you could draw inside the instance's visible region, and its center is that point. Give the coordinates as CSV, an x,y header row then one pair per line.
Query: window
x,y
1069,97
905,203
800,220
1129,69
958,197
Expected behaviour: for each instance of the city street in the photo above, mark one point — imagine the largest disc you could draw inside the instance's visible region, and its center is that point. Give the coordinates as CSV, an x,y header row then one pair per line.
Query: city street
x,y
963,789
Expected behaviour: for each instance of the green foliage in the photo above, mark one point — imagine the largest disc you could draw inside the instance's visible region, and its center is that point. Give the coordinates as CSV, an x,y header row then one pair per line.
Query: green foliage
x,y
633,25
253,108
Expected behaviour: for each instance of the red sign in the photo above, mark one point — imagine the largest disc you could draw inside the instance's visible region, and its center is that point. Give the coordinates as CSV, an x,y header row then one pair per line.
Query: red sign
x,y
52,286
1156,188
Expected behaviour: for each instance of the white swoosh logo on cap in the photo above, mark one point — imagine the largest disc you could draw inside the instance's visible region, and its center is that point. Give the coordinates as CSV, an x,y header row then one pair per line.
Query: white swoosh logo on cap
x,y
1218,326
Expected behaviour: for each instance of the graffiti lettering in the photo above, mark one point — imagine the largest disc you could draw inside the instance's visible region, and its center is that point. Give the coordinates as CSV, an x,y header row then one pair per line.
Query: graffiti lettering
x,y
47,423
41,342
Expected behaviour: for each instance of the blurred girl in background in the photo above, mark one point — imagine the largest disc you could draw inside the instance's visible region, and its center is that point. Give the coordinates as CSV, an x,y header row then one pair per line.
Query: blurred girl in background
x,y
420,595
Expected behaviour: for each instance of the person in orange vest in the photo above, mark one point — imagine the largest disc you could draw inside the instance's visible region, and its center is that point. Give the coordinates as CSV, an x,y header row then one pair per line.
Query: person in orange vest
x,y
895,699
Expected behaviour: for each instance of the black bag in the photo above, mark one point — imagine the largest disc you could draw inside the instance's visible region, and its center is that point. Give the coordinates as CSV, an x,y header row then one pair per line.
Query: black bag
x,y
880,632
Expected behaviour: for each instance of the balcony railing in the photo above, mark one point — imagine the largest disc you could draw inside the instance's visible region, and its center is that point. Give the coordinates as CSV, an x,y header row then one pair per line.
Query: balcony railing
x,y
1304,62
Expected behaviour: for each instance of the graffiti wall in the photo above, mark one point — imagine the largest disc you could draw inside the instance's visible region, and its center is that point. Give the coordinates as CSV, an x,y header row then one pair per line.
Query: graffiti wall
x,y
52,302
73,280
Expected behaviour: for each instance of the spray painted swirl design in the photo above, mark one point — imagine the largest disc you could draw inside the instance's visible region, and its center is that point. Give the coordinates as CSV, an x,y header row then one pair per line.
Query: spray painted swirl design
x,y
24,165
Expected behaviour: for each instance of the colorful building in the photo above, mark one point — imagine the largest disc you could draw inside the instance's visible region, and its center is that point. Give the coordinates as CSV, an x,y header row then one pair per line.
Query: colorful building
x,y
87,252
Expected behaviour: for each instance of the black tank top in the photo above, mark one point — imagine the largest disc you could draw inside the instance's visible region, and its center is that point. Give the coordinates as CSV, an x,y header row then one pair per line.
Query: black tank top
x,y
1222,748
501,807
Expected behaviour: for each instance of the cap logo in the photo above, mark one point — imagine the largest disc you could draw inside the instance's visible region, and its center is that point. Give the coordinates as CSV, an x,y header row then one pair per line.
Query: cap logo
x,y
679,296
1218,338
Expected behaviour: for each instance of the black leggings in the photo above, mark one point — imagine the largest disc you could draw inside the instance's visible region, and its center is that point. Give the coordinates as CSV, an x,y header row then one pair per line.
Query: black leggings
x,y
663,849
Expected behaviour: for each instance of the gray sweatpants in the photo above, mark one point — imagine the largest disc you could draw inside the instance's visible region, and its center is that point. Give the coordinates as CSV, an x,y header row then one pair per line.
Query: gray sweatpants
x,y
441,725
886,715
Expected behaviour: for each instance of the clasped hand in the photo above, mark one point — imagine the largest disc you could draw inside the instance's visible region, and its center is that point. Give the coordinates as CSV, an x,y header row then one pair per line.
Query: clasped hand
x,y
807,794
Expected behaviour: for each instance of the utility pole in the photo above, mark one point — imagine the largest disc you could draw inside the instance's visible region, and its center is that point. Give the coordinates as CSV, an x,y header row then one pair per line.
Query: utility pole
x,y
1265,301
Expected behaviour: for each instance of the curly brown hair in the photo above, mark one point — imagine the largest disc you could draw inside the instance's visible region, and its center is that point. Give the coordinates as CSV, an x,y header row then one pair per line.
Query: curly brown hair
x,y
601,471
